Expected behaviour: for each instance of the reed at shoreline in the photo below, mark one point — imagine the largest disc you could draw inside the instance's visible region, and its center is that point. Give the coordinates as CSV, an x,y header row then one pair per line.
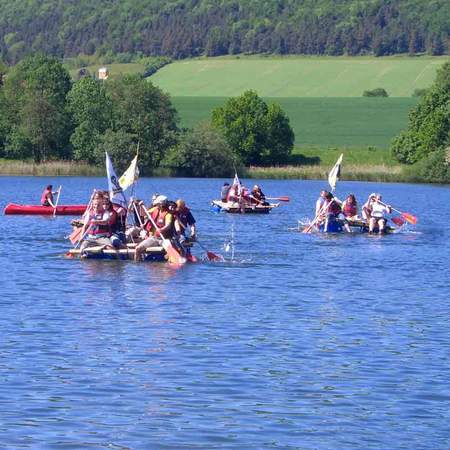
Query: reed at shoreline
x,y
353,172
51,168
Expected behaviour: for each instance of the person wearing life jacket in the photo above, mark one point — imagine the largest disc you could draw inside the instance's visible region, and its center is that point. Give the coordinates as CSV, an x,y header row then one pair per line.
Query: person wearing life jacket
x,y
98,226
164,221
233,194
115,215
377,215
47,196
330,210
184,220
257,196
350,207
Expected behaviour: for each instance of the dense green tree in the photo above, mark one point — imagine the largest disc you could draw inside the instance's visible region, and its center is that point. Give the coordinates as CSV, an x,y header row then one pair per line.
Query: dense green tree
x,y
143,111
197,27
256,133
377,92
34,94
429,122
91,110
202,152
121,147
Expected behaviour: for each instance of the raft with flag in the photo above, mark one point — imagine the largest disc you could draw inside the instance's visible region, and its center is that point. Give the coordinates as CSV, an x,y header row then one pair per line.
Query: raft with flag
x,y
237,208
114,228
237,199
334,216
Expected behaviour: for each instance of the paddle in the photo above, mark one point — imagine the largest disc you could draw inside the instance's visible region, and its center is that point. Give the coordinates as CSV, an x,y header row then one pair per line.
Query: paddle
x,y
211,256
281,199
78,233
57,200
322,209
407,216
173,256
399,221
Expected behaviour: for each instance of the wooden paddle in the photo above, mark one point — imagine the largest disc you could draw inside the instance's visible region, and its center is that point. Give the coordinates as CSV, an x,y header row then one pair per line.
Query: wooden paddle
x,y
57,200
407,216
79,233
322,209
281,199
399,221
173,255
211,256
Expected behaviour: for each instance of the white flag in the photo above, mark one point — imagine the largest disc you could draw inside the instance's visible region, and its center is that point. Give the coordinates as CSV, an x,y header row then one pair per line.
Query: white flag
x,y
237,183
335,173
116,194
130,175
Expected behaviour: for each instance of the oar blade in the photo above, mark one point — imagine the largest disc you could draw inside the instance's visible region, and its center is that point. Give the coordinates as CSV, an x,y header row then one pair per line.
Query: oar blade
x,y
410,218
213,257
172,254
284,199
399,221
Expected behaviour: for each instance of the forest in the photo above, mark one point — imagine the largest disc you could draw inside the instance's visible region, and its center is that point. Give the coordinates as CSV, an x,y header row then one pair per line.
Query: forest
x,y
188,28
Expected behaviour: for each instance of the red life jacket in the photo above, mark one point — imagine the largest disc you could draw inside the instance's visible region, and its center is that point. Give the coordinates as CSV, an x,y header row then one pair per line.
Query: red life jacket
x,y
159,217
350,209
44,197
334,208
97,229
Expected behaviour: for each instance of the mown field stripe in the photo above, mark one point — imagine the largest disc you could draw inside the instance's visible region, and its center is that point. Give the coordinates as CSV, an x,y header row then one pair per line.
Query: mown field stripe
x,y
322,122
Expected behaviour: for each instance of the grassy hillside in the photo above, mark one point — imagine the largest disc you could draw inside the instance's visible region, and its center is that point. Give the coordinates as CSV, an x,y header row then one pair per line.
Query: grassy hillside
x,y
322,122
297,76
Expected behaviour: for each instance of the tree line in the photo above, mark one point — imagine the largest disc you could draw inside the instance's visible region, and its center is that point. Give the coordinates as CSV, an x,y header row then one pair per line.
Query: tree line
x,y
181,29
45,116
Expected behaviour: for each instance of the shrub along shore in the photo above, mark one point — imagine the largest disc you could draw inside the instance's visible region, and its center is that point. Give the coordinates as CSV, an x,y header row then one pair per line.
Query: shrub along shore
x,y
351,171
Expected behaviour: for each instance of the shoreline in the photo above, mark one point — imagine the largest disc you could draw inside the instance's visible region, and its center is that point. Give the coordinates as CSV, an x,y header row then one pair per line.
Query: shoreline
x,y
352,172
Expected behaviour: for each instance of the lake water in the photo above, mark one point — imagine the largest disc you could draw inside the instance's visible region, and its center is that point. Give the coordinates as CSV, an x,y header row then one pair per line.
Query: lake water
x,y
296,342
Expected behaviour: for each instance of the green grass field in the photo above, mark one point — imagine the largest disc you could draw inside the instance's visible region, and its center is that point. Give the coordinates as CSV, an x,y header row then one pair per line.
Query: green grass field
x,y
322,122
297,76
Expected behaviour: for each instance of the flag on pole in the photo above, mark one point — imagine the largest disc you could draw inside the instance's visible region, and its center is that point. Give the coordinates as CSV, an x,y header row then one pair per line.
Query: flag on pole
x,y
116,194
130,175
335,173
237,184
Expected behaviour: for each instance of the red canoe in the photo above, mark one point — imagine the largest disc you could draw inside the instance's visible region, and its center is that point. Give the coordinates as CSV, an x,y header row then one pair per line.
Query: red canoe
x,y
61,210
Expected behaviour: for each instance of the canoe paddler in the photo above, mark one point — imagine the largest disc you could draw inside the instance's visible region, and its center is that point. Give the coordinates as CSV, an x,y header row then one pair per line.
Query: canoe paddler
x,y
47,196
377,214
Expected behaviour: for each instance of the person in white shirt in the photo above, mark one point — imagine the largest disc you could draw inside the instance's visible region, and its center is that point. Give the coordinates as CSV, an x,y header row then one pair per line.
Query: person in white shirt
x,y
320,201
377,214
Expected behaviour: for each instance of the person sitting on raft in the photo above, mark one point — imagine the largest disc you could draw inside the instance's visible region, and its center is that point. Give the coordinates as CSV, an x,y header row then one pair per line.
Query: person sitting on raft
x,y
321,201
377,215
164,221
366,209
98,227
184,220
330,210
257,196
115,215
47,196
224,192
350,207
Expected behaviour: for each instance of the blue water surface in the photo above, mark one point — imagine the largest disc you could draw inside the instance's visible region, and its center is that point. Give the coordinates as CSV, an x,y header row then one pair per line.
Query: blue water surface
x,y
297,341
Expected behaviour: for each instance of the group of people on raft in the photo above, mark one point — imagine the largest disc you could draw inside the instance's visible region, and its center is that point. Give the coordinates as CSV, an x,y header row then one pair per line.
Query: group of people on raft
x,y
113,226
237,193
330,209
